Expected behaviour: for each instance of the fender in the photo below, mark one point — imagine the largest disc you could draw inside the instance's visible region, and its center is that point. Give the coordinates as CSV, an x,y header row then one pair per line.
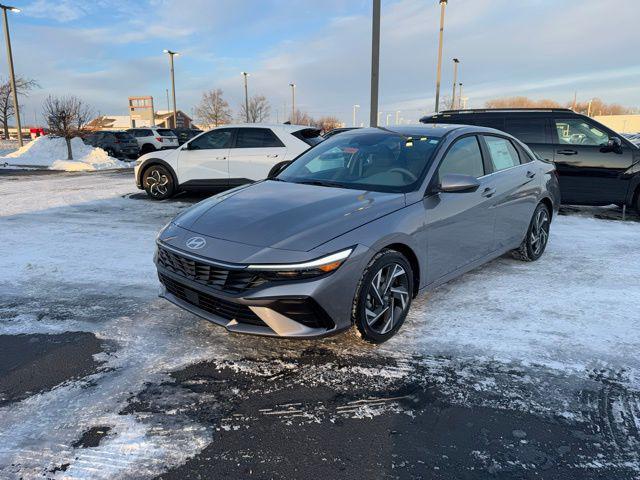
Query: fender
x,y
155,161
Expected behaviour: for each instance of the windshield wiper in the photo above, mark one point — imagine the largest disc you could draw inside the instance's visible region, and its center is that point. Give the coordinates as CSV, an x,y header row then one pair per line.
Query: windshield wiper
x,y
320,183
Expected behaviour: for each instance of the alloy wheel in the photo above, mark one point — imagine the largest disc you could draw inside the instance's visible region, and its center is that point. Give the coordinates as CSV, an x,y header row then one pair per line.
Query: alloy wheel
x,y
539,231
158,183
387,298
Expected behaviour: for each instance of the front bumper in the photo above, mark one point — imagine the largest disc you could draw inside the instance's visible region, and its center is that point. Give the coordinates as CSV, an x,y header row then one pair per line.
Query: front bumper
x,y
295,309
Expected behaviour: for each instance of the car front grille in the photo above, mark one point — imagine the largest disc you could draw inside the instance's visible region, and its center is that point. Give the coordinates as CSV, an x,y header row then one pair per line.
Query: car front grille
x,y
209,303
219,278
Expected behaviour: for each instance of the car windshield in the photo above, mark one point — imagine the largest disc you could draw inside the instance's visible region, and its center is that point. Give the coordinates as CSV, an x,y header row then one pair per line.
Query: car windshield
x,y
376,160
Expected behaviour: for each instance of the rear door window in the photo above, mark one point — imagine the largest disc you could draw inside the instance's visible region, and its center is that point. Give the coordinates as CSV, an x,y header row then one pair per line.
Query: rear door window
x,y
166,132
464,158
527,130
257,138
502,152
575,131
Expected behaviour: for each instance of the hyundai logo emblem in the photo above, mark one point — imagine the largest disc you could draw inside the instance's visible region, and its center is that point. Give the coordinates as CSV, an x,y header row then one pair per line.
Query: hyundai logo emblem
x,y
196,243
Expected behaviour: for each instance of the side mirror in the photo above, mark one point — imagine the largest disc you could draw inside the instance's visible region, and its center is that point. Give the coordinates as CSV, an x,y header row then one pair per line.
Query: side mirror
x,y
455,182
614,144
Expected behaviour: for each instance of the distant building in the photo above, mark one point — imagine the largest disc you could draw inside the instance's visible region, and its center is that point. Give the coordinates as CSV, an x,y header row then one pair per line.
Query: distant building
x,y
141,114
620,123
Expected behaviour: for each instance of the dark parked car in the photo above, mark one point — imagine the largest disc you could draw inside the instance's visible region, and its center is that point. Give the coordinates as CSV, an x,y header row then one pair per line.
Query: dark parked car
x,y
355,227
186,134
596,166
116,144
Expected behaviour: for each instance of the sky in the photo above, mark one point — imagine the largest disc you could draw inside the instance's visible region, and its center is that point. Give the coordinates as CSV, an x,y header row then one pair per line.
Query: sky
x,y
104,51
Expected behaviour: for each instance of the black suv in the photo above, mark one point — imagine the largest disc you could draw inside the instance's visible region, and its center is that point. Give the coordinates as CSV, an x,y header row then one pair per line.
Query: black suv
x,y
116,144
186,134
596,166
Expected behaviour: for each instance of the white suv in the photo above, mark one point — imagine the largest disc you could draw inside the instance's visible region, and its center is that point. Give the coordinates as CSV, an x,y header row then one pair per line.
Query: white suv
x,y
226,156
151,139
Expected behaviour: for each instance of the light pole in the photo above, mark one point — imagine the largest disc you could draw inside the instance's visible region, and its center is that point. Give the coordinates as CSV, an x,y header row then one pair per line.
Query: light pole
x,y
12,76
354,114
443,4
397,117
455,79
246,96
375,63
173,86
460,100
387,121
293,101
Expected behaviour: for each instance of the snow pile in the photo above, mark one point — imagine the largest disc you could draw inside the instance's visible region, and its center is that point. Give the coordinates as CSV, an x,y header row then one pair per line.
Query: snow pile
x,y
51,152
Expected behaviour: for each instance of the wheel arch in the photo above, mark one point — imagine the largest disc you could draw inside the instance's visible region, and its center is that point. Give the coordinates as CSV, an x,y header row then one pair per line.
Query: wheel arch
x,y
412,258
549,204
157,161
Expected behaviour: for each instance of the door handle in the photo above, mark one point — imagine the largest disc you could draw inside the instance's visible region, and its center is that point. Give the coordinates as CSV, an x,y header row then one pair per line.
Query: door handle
x,y
275,155
488,192
567,152
221,158
530,174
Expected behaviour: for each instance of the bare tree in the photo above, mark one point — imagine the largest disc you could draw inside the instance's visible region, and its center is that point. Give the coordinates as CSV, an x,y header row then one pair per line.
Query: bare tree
x,y
521,102
66,117
301,118
213,109
7,108
327,123
259,109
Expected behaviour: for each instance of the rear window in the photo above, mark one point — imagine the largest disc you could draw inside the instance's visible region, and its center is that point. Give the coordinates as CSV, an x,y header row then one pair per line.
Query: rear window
x,y
310,136
527,130
124,136
166,132
257,138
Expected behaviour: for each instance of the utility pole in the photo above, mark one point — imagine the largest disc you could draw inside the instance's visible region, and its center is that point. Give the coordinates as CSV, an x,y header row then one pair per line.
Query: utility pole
x,y
168,107
460,99
455,79
375,63
354,114
246,96
443,4
293,101
173,86
12,75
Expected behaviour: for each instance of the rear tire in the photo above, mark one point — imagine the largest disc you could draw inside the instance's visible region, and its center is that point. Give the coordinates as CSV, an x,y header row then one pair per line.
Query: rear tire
x,y
535,242
158,182
383,297
147,148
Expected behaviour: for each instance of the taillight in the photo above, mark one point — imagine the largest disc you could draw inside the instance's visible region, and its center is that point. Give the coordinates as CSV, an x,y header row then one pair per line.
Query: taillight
x,y
159,139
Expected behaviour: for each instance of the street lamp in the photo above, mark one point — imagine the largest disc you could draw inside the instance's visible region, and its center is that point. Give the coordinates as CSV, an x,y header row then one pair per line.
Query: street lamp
x,y
354,114
460,100
443,4
455,79
12,76
173,85
375,64
293,101
246,96
397,117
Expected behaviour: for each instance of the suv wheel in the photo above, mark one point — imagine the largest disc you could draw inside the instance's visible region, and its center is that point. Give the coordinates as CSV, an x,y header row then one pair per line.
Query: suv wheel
x,y
535,242
383,297
146,148
158,182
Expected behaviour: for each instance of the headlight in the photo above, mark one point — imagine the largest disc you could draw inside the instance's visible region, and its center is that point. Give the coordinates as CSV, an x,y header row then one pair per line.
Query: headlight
x,y
312,268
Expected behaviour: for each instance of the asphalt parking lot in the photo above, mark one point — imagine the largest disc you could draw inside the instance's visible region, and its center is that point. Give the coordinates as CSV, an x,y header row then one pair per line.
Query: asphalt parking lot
x,y
515,370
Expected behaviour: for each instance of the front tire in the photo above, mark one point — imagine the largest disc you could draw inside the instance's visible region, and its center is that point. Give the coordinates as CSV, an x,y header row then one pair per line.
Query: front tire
x,y
383,297
535,242
158,182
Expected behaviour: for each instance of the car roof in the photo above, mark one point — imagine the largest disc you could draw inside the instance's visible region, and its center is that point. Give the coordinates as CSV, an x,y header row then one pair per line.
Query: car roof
x,y
279,126
431,130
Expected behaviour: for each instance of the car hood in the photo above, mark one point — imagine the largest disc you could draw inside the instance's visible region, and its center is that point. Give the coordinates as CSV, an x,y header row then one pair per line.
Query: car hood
x,y
285,215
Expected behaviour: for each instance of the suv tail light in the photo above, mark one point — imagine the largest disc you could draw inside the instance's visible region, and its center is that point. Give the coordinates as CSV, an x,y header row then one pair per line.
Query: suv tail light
x,y
159,139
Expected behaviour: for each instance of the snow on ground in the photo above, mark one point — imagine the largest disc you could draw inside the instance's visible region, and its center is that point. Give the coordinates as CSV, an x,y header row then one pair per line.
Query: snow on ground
x,y
51,152
79,258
